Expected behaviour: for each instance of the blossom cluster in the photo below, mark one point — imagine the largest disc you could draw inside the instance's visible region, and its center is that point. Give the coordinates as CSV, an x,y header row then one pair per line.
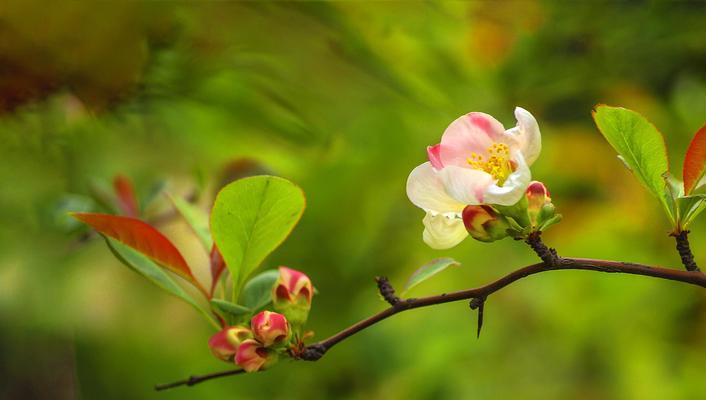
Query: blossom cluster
x,y
259,345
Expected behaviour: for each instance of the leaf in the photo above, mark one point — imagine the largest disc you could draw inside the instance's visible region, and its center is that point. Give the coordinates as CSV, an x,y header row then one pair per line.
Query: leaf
x,y
695,161
234,310
638,142
125,195
143,265
257,293
143,238
250,218
196,218
428,270
690,207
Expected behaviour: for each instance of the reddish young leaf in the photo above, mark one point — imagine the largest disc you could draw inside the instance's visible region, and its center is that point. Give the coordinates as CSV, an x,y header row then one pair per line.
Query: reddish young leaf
x,y
127,202
217,266
143,238
695,161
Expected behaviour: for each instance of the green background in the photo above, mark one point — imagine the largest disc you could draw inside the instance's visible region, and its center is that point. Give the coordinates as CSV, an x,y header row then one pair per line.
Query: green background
x,y
342,99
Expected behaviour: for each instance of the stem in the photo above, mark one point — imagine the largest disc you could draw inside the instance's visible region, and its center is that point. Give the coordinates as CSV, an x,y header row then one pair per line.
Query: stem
x,y
684,249
194,379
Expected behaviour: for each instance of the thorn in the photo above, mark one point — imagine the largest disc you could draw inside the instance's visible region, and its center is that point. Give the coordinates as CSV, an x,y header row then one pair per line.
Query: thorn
x,y
478,303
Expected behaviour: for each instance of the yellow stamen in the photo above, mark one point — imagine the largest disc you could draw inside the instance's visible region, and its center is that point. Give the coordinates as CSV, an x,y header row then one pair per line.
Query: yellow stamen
x,y
498,164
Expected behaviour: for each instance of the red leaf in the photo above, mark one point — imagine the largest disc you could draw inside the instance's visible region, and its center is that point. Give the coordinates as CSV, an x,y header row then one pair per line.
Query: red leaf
x,y
143,238
217,266
127,202
695,161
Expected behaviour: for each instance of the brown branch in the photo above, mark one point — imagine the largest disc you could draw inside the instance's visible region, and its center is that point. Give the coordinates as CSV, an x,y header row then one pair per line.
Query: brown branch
x,y
194,379
317,350
690,277
684,249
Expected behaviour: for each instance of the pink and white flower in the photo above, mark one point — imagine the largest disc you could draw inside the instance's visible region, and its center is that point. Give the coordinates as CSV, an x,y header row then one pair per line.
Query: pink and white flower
x,y
477,162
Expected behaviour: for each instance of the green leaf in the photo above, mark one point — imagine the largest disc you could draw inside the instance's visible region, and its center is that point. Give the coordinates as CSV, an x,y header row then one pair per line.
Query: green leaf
x,y
639,143
251,217
428,270
230,309
197,220
690,207
257,293
144,266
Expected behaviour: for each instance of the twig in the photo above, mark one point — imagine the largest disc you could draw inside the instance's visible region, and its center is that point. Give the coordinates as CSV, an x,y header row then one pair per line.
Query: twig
x,y
386,290
194,379
548,255
687,257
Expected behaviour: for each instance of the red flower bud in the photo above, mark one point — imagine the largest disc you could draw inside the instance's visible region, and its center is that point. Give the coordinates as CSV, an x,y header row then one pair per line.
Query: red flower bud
x,y
221,347
269,328
292,286
484,223
253,356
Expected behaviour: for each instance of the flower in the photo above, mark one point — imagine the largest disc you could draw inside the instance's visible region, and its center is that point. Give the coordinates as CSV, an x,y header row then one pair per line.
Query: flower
x,y
269,328
292,287
253,356
484,223
477,162
224,343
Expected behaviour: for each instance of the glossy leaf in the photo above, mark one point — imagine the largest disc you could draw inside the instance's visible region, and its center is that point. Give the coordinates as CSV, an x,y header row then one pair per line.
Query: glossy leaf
x,y
143,238
196,218
230,309
638,142
257,293
143,265
250,218
125,196
428,270
695,161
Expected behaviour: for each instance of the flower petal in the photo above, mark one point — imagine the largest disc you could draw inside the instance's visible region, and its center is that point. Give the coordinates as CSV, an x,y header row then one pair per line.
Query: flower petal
x,y
465,185
434,154
426,191
514,186
526,134
471,133
443,231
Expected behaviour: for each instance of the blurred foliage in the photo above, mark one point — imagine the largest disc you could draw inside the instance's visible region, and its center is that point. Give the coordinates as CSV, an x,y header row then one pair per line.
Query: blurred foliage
x,y
342,98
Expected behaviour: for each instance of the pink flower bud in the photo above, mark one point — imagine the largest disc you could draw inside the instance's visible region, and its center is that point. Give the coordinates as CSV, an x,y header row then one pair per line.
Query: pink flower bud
x,y
292,287
537,196
237,335
269,328
484,223
540,209
221,347
253,356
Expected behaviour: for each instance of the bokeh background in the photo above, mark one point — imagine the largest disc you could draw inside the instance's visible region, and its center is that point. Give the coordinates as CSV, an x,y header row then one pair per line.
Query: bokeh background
x,y
342,98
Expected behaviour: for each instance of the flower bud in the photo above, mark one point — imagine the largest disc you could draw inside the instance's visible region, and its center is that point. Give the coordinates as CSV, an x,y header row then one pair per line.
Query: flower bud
x,y
291,295
221,347
539,204
253,356
484,223
237,335
269,328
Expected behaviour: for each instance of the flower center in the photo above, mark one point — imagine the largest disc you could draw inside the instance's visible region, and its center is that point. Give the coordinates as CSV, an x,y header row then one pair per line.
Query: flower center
x,y
498,164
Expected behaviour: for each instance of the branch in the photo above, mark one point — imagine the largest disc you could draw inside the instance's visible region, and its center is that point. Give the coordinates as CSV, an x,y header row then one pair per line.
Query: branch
x,y
194,379
317,350
684,249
